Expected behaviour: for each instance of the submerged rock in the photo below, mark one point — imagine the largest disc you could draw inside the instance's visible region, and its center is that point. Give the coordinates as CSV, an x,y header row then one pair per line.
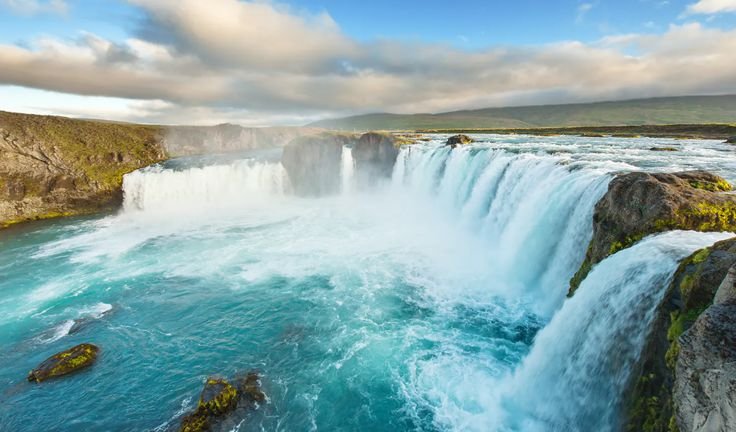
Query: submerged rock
x,y
250,388
664,149
219,398
454,140
65,362
638,204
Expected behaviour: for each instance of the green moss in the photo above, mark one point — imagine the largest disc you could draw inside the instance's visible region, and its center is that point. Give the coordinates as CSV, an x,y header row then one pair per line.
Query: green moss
x,y
672,427
717,186
65,362
626,243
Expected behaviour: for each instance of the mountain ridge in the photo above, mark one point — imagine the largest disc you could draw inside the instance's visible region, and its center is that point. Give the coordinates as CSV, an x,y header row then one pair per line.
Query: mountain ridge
x,y
632,112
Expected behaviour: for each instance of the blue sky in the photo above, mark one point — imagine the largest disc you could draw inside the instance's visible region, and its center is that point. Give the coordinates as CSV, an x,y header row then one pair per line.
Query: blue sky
x,y
267,62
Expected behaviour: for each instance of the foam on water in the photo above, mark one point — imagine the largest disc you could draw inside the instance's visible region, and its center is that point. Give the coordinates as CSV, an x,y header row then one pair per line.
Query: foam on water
x,y
437,303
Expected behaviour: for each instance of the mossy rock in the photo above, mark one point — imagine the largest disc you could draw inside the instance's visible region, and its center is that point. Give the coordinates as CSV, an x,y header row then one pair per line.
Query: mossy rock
x,y
220,398
65,362
639,204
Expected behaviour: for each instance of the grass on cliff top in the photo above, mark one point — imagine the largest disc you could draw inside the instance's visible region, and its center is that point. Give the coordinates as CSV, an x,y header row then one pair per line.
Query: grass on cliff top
x,y
101,150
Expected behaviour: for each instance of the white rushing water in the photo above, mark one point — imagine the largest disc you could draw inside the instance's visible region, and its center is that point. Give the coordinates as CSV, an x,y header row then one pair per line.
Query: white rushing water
x,y
215,185
434,302
347,170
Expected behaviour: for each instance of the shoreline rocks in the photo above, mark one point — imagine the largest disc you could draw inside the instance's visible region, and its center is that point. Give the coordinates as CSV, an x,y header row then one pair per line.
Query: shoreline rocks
x,y
638,204
65,362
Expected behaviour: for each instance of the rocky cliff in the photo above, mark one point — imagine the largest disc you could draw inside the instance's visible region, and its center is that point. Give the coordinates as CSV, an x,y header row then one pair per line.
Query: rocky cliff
x,y
314,162
638,204
55,166
672,340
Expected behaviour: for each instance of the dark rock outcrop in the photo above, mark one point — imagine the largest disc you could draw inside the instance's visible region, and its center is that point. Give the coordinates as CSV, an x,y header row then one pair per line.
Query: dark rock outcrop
x,y
220,398
313,163
731,140
705,377
638,204
56,166
456,140
374,155
650,405
65,362
664,149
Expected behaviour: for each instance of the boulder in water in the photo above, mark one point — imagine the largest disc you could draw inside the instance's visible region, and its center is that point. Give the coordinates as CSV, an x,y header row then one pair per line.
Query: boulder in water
x,y
250,388
460,139
664,149
638,204
219,398
731,140
65,362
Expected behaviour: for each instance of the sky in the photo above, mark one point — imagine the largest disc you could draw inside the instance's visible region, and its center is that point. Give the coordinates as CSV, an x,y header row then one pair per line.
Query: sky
x,y
290,62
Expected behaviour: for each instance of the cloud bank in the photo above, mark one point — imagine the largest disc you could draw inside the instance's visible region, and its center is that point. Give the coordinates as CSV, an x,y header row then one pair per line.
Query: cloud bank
x,y
264,62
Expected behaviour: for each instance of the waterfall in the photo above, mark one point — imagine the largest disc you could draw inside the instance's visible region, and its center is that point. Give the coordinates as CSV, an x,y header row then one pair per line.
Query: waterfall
x,y
225,184
347,169
533,211
579,364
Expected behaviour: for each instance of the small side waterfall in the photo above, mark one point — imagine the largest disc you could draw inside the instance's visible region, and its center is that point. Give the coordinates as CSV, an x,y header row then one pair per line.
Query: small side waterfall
x,y
580,362
347,170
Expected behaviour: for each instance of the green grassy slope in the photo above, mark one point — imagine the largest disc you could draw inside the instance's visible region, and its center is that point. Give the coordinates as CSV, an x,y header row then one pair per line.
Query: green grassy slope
x,y
656,111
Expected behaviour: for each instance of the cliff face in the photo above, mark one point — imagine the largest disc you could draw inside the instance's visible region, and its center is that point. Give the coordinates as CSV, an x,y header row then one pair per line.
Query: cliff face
x,y
705,375
314,162
652,402
639,204
55,166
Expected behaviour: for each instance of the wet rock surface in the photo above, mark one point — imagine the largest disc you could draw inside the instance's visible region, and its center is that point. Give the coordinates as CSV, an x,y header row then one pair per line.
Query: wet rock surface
x,y
638,204
65,362
219,399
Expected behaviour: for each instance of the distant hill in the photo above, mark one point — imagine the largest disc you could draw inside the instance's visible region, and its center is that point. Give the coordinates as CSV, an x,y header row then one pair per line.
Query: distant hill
x,y
654,111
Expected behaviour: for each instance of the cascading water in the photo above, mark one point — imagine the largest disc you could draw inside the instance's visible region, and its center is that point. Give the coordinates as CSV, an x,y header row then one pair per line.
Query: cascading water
x,y
347,169
435,303
222,184
533,213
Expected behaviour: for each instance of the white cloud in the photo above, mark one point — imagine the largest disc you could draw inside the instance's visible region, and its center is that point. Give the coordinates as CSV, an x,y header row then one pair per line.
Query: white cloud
x,y
583,10
261,63
33,7
709,7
